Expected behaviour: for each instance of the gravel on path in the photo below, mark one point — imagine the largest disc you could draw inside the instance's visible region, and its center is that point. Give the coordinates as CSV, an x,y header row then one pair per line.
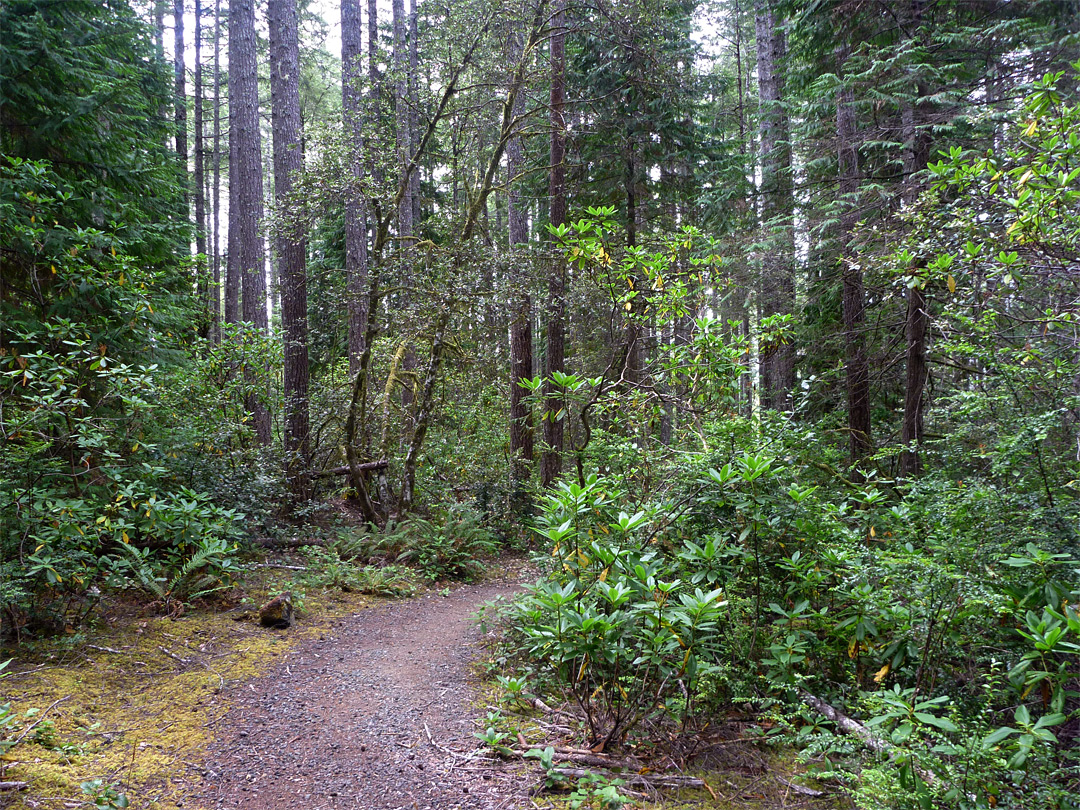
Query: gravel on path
x,y
344,721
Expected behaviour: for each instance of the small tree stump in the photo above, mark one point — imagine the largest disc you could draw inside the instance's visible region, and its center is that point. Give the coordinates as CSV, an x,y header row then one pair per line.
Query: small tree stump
x,y
278,612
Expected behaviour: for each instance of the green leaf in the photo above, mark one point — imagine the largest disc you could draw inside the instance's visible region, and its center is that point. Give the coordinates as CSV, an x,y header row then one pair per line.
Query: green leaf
x,y
994,737
938,722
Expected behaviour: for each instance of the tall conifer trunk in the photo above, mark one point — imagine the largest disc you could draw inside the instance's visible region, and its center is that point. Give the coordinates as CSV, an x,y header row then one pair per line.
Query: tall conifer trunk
x,y
915,158
215,228
356,249
551,461
290,244
200,178
246,255
853,298
181,93
777,295
521,348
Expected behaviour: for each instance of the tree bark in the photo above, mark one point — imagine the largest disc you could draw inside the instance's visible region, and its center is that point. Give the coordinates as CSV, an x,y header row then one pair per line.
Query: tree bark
x,y
180,101
290,243
777,295
414,108
915,158
403,134
159,28
521,349
551,461
352,103
215,295
245,183
853,298
200,180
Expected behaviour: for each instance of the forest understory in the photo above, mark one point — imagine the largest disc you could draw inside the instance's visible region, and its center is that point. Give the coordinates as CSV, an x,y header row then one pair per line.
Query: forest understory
x,y
752,325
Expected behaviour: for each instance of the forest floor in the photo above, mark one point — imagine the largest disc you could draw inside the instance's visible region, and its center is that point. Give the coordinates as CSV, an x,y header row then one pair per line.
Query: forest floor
x,y
376,713
365,703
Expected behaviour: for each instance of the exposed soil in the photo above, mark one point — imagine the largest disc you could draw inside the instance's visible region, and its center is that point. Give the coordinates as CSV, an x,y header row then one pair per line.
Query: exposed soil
x,y
377,713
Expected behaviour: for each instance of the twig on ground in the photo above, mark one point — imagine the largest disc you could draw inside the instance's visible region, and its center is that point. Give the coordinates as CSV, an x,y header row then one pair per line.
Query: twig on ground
x,y
805,791
105,649
174,656
30,727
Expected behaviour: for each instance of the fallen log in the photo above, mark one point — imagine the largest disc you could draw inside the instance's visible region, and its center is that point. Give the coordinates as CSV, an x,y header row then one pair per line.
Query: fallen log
x,y
365,467
857,729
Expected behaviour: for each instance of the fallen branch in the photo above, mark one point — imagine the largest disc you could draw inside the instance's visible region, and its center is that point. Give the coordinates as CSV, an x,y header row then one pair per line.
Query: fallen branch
x,y
30,727
279,565
14,785
804,791
857,729
174,656
368,465
104,649
538,704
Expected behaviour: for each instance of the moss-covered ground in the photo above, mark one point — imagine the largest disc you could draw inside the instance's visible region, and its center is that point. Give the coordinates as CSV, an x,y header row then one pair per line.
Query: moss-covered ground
x,y
135,698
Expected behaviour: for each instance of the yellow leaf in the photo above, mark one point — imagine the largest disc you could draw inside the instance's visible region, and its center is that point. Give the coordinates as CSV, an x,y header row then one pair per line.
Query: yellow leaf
x,y
952,284
881,673
125,538
1033,124
581,671
852,649
113,249
53,268
1027,176
582,558
872,532
603,575
626,306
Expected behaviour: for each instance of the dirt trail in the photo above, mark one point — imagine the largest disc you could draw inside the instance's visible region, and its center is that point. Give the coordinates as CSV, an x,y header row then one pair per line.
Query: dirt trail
x,y
340,723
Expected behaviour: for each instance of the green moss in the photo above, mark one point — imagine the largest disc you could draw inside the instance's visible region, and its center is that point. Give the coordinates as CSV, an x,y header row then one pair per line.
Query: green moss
x,y
141,701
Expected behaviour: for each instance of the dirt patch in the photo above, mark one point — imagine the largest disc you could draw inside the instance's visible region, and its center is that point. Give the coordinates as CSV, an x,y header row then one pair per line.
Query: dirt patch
x,y
345,721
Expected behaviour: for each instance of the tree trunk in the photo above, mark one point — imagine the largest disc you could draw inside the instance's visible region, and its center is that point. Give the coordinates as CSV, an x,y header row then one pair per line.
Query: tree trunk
x,y
915,158
853,298
159,28
215,295
290,242
200,180
633,370
521,349
777,295
551,461
414,109
356,254
180,100
401,106
245,183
